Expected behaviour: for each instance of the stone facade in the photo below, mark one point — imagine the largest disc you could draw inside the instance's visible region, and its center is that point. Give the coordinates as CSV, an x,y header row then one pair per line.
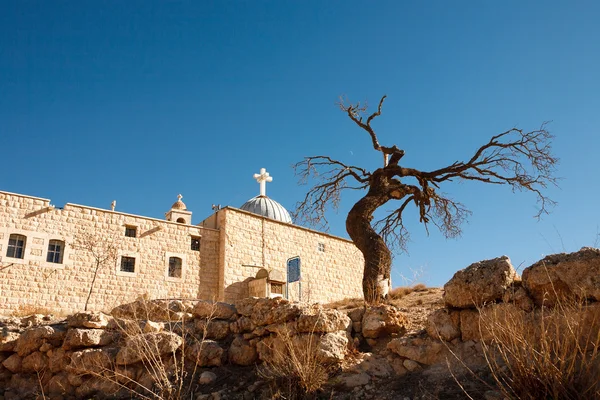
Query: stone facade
x,y
234,246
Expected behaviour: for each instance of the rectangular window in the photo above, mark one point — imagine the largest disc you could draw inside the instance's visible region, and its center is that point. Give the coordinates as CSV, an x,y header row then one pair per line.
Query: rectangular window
x,y
130,231
175,267
16,246
321,247
127,264
195,244
276,288
55,251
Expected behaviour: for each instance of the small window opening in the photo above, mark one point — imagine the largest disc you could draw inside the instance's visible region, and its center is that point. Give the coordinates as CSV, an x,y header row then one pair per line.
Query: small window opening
x,y
321,247
56,249
276,288
127,264
130,231
175,267
16,246
195,244
181,220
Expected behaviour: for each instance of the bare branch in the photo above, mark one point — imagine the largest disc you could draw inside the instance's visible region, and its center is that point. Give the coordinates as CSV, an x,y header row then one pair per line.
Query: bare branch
x,y
332,178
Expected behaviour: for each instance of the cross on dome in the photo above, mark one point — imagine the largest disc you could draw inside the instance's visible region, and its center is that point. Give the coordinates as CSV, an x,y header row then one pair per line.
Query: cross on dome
x,y
262,179
179,197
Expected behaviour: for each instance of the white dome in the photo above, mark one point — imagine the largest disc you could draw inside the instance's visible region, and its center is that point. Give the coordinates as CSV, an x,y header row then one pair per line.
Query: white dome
x,y
262,205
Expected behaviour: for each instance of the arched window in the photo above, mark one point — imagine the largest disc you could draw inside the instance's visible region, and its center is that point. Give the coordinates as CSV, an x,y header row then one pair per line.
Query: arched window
x,y
181,220
56,250
175,264
16,246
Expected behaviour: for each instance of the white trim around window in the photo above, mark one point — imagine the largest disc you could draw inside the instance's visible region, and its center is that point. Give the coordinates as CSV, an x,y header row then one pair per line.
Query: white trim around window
x,y
183,259
137,263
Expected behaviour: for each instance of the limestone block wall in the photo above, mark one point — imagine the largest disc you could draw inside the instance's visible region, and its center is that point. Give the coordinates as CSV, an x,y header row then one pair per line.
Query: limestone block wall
x,y
34,282
332,267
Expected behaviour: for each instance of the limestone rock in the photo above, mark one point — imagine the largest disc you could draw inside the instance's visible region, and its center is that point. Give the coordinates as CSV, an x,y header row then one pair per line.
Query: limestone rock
x,y
207,377
562,275
146,345
35,362
13,363
354,380
88,319
242,325
479,283
382,321
518,296
373,365
78,338
241,352
273,311
212,329
214,310
58,359
316,319
154,310
332,347
91,361
31,340
246,305
207,353
59,385
355,314
411,365
8,340
424,351
443,324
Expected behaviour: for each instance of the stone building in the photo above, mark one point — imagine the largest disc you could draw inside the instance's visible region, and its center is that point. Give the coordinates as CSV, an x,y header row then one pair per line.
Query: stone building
x,y
50,256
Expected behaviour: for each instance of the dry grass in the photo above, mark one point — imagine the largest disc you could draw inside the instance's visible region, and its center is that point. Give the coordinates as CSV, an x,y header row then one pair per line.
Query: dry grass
x,y
295,369
167,376
26,310
551,354
400,292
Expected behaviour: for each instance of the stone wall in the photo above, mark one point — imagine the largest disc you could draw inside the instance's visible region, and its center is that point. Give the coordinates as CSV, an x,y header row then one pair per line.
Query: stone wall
x,y
332,267
32,282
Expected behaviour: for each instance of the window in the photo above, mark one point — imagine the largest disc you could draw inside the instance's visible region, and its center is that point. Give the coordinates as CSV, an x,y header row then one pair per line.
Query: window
x,y
127,264
195,244
276,288
181,220
56,249
16,246
130,231
321,247
175,267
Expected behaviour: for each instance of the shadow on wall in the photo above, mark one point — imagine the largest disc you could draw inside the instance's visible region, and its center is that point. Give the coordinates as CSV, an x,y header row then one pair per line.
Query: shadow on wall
x,y
238,290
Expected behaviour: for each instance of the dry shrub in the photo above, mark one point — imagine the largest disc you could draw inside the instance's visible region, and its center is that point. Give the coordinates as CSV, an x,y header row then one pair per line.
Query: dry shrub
x,y
164,376
345,304
552,353
295,370
25,310
400,292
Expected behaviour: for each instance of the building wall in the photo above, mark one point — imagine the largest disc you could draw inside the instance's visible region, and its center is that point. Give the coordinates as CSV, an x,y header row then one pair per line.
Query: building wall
x,y
251,242
33,282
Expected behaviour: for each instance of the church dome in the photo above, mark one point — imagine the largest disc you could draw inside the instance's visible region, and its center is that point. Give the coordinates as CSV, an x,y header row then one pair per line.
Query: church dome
x,y
179,205
262,205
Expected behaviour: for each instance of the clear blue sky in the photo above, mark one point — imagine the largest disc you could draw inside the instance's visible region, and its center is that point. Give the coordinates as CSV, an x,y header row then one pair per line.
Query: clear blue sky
x,y
138,101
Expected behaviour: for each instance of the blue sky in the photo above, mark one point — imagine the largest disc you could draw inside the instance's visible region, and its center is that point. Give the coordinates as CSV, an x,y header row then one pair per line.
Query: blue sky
x,y
138,101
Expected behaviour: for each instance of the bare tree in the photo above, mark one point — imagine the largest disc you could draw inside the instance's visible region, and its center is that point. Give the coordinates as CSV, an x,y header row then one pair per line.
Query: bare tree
x,y
522,160
103,250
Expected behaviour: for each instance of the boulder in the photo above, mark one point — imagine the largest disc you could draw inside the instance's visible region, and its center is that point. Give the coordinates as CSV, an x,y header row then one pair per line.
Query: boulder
x,y
59,386
31,340
8,340
316,319
332,347
91,361
207,377
383,320
155,310
273,311
424,351
564,275
241,352
242,325
479,283
443,324
148,345
58,359
78,338
35,362
205,353
212,329
518,296
214,310
13,363
88,319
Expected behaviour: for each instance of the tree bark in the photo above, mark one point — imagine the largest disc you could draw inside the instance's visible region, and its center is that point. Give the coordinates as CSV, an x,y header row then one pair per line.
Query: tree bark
x,y
378,258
